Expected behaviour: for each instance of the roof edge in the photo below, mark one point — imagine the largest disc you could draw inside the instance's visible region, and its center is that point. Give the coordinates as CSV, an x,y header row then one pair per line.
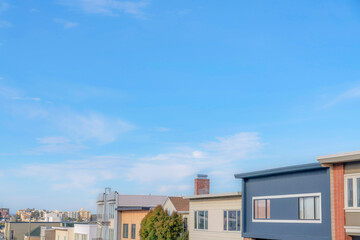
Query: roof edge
x,y
340,157
282,170
214,195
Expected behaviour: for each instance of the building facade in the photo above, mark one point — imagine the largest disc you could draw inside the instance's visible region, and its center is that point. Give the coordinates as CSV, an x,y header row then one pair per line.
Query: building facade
x,y
287,203
179,205
215,216
107,217
345,194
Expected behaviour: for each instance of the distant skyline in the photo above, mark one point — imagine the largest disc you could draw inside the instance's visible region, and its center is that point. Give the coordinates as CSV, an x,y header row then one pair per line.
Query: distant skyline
x,y
140,96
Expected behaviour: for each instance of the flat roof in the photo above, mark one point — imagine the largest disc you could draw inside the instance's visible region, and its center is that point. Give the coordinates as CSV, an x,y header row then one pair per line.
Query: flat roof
x,y
340,157
214,195
282,170
132,208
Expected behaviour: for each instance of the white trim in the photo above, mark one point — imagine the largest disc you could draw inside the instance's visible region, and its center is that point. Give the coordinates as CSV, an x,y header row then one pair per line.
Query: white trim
x,y
287,196
351,229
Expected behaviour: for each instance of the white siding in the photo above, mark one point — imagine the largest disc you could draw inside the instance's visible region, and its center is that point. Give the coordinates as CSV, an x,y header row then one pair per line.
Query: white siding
x,y
215,208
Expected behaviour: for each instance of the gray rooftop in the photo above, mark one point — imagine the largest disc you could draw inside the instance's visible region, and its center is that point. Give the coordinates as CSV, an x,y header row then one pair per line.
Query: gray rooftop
x,y
141,200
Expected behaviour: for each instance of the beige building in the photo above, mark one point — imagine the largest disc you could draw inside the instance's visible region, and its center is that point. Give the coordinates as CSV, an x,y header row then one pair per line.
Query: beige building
x,y
17,230
215,216
64,233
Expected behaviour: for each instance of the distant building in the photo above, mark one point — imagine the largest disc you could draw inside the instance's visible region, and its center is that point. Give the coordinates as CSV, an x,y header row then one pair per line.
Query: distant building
x,y
52,217
4,212
213,216
17,230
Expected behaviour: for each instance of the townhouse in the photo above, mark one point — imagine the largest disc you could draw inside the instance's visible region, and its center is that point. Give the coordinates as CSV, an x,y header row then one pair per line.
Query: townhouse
x,y
345,194
213,216
287,203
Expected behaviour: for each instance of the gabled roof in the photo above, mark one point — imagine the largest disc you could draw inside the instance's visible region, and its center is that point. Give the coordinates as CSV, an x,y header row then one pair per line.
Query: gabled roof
x,y
140,200
277,171
180,204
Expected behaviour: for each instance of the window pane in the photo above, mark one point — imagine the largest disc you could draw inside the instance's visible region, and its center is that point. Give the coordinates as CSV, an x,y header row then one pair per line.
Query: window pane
x,y
301,208
238,221
256,206
201,219
133,231
232,221
317,207
206,219
309,208
195,220
350,192
125,230
225,220
261,208
358,191
268,209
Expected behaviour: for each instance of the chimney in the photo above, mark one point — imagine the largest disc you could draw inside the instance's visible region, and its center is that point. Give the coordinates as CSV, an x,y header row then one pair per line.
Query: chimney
x,y
202,184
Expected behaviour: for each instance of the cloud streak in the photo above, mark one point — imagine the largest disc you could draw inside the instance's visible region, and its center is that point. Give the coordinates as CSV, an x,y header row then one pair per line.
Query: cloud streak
x,y
66,24
108,7
348,95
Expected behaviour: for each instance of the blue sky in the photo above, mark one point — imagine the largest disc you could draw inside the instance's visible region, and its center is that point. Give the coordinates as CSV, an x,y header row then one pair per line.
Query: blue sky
x,y
142,95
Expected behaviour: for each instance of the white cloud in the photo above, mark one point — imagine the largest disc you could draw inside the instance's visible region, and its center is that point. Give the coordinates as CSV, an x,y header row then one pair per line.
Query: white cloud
x,y
162,129
348,95
5,24
93,126
66,24
218,157
179,189
108,7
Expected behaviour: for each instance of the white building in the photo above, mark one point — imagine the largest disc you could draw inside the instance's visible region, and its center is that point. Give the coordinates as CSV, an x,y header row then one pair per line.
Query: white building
x,y
52,217
85,231
106,215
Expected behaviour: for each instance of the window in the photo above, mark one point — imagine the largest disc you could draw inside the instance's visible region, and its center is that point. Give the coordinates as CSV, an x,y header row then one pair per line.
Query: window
x,y
262,209
111,234
100,211
111,211
133,231
125,230
201,220
185,224
232,220
352,191
309,208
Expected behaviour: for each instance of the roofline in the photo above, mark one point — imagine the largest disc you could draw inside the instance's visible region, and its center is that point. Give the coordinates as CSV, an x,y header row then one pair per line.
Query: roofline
x,y
133,208
282,170
214,195
339,157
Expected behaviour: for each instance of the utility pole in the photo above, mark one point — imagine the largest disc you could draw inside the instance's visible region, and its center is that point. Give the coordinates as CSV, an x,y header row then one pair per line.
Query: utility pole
x,y
29,227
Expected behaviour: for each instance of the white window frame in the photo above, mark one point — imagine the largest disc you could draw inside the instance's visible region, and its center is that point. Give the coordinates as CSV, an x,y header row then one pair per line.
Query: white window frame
x,y
355,208
198,220
227,220
287,196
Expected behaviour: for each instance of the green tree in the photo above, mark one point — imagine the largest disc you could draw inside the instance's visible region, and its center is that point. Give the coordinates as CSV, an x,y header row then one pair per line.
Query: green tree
x,y
159,225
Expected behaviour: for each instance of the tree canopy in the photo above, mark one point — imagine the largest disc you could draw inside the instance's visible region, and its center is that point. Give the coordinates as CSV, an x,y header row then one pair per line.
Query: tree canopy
x,y
159,225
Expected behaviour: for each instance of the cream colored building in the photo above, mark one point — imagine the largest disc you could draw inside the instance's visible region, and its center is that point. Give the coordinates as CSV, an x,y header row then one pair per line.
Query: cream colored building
x,y
179,205
215,216
64,233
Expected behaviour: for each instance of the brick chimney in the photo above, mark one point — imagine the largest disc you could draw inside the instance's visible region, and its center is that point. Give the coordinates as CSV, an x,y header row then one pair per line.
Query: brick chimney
x,y
202,184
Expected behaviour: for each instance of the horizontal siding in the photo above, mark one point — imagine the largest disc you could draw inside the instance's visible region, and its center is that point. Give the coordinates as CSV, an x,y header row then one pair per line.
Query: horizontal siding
x,y
215,208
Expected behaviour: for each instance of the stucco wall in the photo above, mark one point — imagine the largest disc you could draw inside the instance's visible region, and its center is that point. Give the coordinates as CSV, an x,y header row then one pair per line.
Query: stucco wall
x,y
215,208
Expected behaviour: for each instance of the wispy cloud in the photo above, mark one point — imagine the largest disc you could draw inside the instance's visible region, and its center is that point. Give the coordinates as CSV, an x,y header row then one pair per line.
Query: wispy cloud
x,y
5,24
57,145
108,7
348,95
4,6
66,24
162,129
220,157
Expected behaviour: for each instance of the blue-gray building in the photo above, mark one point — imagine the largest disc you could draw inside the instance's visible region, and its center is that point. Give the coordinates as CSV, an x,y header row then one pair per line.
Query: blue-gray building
x,y
290,203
